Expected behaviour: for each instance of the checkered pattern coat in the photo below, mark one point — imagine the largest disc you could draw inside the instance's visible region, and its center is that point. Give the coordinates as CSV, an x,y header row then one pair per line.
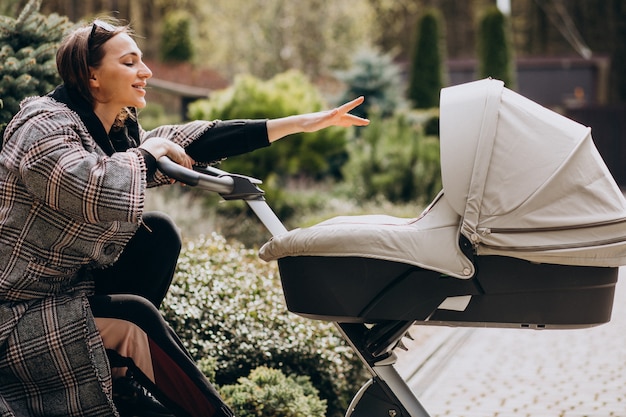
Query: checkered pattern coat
x,y
65,207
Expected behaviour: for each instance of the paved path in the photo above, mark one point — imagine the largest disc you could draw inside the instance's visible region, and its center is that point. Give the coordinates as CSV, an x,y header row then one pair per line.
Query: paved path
x,y
467,372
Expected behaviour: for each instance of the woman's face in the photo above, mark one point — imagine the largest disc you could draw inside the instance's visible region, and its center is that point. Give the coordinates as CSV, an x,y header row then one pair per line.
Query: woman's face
x,y
120,80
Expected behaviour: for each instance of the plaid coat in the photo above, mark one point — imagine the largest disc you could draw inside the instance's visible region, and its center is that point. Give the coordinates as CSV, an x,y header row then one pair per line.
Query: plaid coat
x,y
65,207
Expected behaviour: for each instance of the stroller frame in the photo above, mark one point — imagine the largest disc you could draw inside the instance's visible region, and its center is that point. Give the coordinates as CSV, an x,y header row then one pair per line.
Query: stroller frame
x,y
374,341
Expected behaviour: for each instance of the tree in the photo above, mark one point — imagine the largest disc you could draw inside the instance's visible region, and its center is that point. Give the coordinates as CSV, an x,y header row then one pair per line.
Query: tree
x,y
238,36
426,78
176,45
494,49
28,56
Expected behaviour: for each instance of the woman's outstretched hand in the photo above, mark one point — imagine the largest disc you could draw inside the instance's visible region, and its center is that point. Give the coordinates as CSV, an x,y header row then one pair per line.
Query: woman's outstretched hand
x,y
311,122
338,116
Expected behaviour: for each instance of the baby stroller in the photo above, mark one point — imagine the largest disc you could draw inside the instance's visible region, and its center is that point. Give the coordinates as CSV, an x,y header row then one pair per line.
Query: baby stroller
x,y
528,233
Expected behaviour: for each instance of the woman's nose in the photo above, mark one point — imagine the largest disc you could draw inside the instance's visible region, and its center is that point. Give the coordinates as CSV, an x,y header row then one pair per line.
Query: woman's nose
x,y
145,71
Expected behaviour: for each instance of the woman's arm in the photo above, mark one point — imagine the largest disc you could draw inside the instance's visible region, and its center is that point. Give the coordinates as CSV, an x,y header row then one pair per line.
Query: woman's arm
x,y
235,137
311,122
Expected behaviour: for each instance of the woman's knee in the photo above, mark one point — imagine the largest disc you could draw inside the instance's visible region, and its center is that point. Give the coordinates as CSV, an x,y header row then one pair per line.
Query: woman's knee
x,y
161,225
133,308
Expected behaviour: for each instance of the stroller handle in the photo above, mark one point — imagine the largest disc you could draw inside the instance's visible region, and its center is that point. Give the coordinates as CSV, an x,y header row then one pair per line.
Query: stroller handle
x,y
229,186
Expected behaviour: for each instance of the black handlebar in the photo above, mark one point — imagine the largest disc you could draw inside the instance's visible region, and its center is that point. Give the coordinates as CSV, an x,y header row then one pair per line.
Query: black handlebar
x,y
229,186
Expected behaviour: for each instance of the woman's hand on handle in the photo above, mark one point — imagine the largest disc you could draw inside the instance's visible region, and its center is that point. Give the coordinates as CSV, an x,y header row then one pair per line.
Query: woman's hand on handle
x,y
159,147
311,122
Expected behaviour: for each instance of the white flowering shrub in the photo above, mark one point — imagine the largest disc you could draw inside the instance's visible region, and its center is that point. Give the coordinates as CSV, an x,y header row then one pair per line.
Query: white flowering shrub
x,y
227,304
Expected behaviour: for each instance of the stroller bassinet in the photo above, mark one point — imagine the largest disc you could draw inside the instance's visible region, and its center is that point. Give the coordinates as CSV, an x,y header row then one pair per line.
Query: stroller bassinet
x,y
528,231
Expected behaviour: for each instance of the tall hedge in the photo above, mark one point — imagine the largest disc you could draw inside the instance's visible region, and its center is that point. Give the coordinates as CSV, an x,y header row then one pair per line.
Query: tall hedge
x,y
494,47
427,75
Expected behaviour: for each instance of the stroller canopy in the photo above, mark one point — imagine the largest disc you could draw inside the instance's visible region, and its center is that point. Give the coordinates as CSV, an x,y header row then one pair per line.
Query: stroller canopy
x,y
528,182
519,180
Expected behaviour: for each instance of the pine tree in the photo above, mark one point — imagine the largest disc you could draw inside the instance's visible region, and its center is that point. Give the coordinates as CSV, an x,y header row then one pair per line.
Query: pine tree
x,y
27,56
375,76
426,78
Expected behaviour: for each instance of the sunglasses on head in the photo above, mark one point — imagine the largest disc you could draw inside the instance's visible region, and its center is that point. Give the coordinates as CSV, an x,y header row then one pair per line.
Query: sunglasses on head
x,y
101,24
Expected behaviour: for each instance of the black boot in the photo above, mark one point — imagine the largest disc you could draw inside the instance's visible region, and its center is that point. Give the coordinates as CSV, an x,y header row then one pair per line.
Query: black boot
x,y
133,400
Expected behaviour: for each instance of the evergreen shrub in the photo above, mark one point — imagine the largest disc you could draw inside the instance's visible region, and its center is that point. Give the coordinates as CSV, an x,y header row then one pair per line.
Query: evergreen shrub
x,y
268,392
227,304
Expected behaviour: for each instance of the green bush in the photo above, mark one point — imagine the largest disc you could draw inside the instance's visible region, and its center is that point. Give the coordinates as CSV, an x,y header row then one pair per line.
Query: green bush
x,y
395,160
269,393
314,155
227,304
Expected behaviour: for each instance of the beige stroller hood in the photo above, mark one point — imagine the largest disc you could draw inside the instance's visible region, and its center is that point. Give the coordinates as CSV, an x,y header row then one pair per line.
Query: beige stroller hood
x,y
518,180
527,182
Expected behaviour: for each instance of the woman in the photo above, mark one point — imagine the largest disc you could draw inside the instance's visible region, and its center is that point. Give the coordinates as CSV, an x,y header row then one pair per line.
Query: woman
x,y
82,268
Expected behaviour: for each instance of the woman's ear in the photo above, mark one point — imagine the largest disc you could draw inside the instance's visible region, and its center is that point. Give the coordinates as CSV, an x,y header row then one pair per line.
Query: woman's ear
x,y
93,79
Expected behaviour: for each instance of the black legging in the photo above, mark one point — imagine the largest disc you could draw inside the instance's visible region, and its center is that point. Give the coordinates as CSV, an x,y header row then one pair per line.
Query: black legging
x,y
132,290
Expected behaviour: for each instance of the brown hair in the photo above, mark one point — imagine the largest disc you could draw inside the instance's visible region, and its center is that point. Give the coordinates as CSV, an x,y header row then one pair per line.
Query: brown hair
x,y
82,49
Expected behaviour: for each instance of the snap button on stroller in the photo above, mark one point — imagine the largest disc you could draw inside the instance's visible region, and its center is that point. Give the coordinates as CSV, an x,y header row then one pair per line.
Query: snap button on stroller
x,y
528,232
